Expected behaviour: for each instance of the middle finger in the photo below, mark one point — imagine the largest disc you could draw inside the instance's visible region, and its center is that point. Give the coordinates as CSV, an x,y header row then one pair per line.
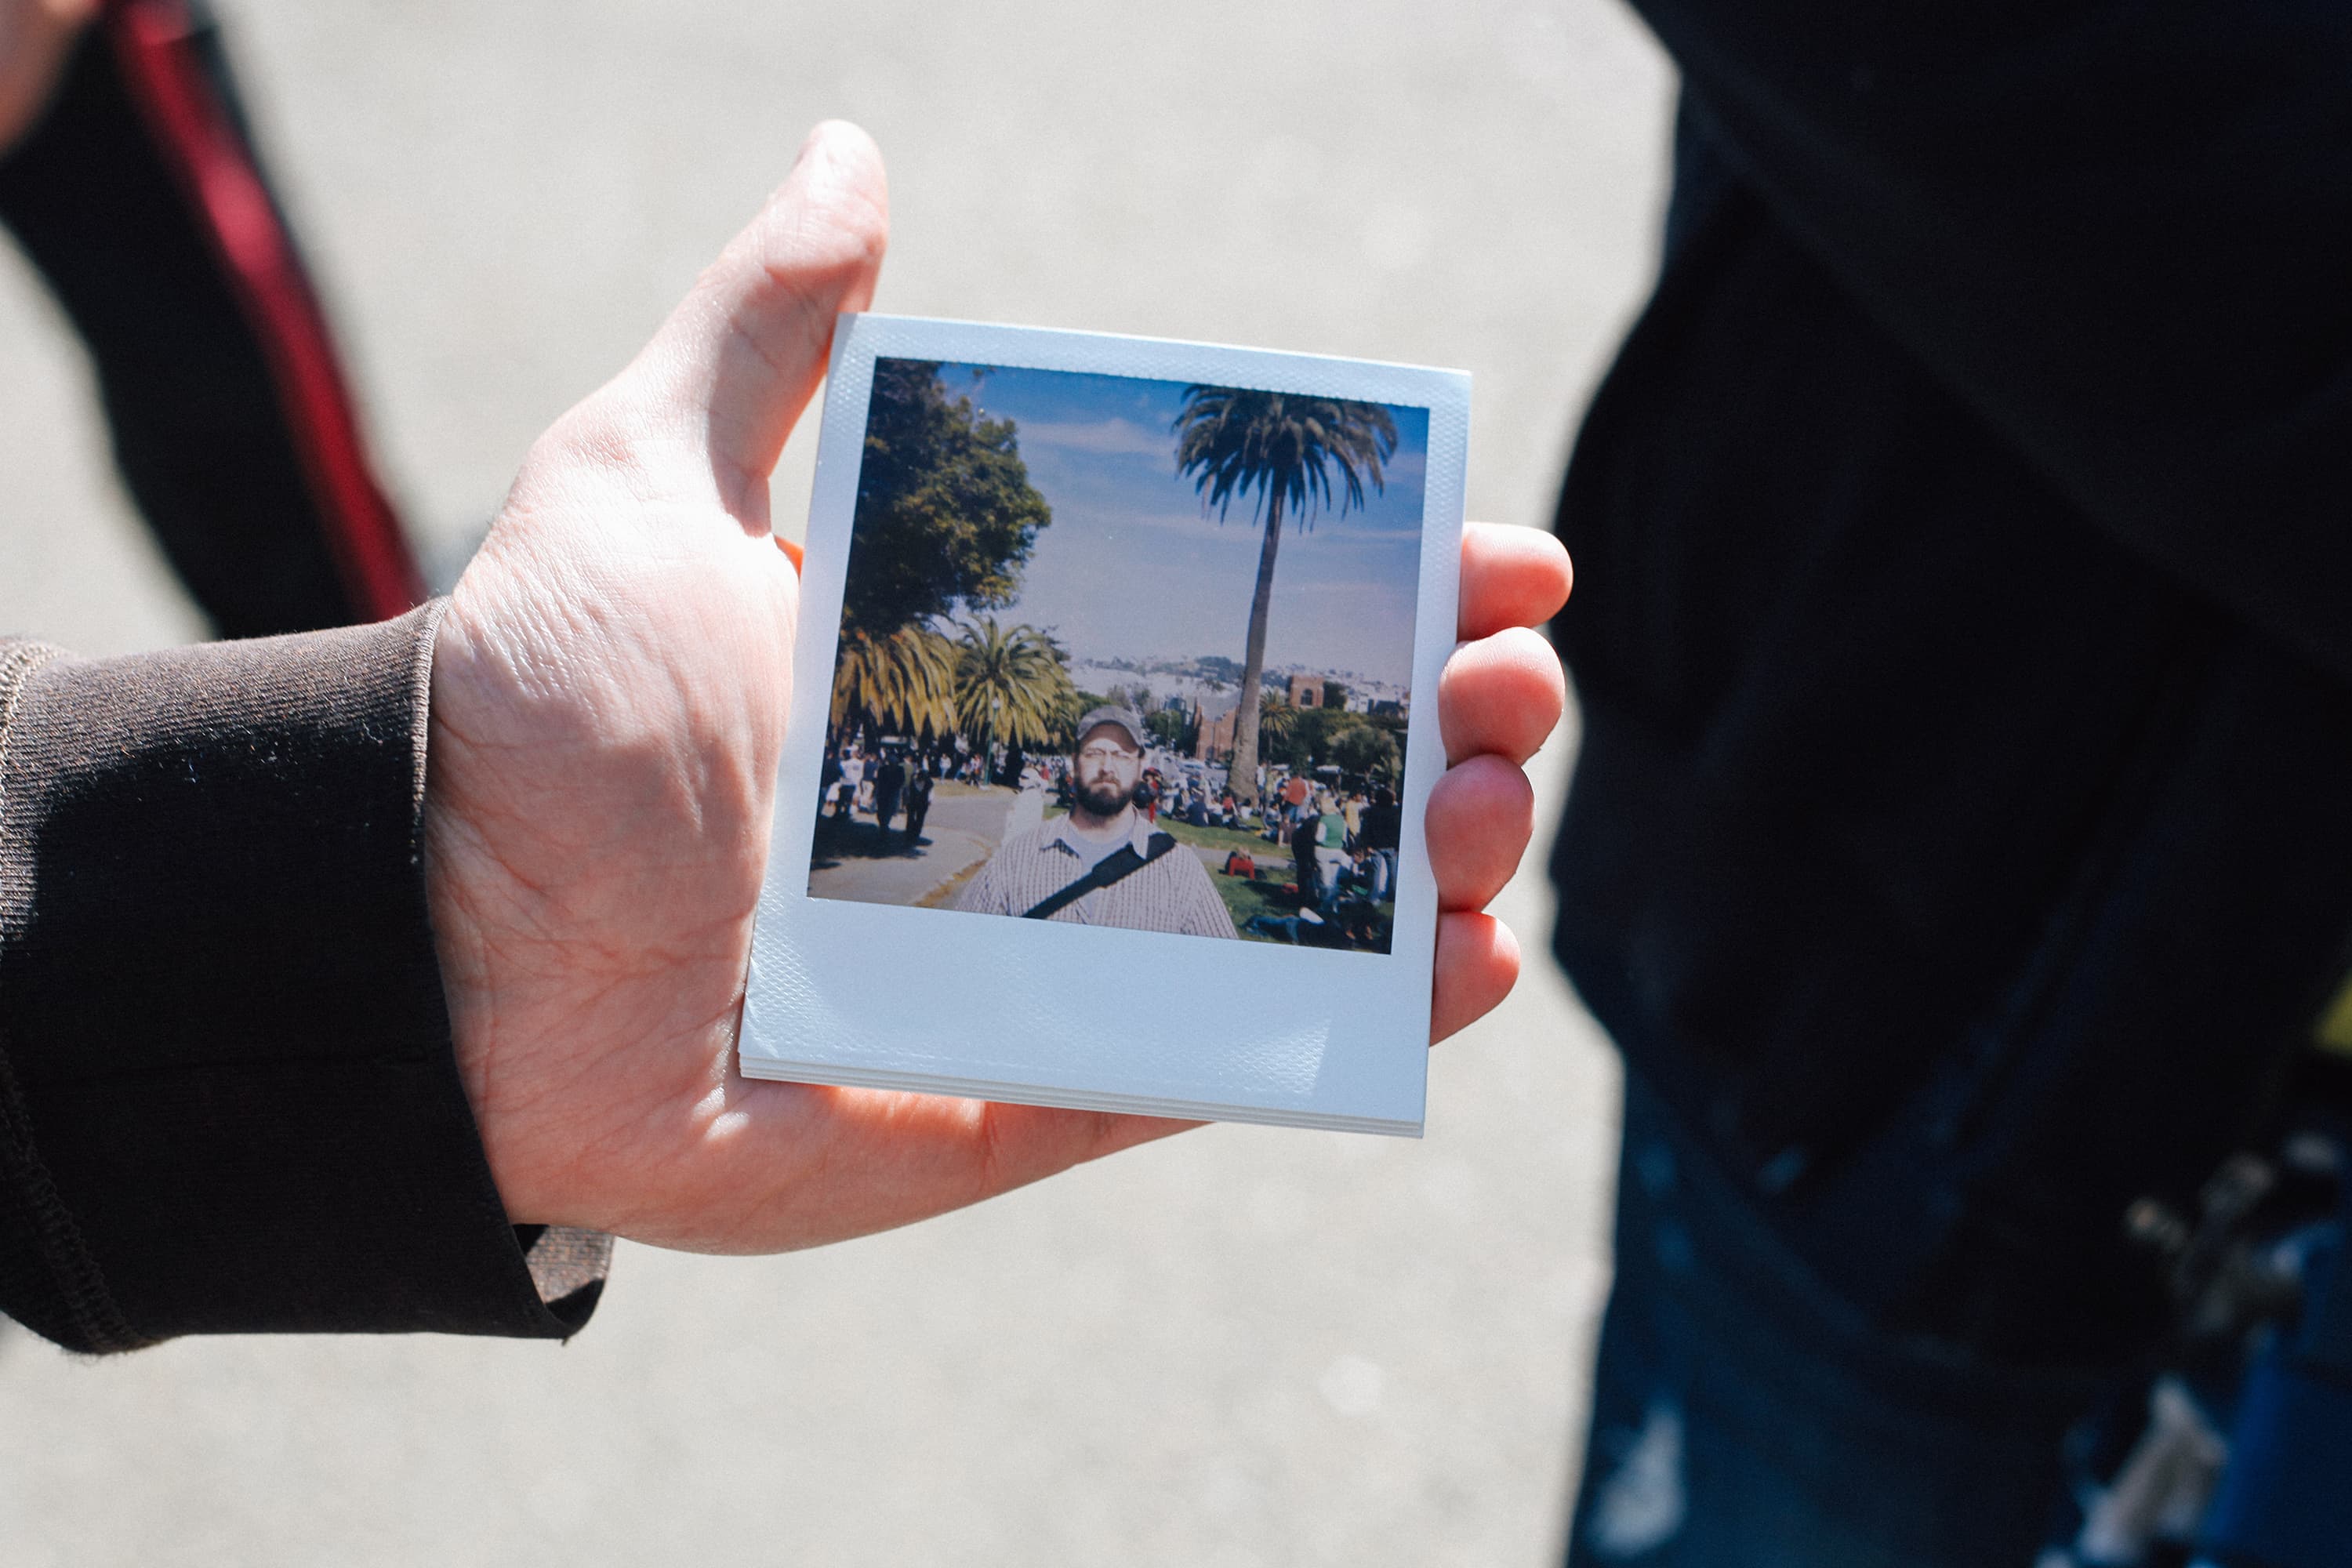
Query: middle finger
x,y
1502,694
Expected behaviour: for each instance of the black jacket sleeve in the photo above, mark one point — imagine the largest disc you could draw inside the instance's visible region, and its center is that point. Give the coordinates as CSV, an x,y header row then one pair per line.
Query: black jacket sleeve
x,y
228,1098
2120,233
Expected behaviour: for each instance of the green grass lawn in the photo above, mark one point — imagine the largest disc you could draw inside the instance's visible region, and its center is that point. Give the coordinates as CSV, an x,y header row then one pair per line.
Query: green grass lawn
x,y
1272,891
1221,839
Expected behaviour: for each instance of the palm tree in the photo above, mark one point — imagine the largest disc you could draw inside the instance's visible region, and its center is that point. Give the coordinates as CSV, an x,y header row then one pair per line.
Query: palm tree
x,y
1010,685
1275,718
1288,449
904,681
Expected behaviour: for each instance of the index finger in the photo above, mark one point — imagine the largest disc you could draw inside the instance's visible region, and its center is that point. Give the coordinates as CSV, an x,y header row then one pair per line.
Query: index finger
x,y
1511,576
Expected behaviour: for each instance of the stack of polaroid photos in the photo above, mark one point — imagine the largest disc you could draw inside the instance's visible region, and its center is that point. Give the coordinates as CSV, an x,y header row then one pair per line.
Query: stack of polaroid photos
x,y
1113,726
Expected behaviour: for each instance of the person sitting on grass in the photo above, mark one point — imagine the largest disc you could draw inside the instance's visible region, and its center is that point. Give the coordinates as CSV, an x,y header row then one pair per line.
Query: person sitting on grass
x,y
1327,829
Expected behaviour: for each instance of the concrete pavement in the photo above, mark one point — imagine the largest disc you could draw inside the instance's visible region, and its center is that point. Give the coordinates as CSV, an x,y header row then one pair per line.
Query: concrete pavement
x,y
1242,1346
965,828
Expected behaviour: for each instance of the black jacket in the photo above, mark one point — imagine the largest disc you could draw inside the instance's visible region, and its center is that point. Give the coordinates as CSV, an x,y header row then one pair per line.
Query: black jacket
x,y
1962,836
227,1100
227,1097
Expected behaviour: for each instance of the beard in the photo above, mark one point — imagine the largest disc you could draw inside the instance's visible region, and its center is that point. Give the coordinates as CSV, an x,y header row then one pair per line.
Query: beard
x,y
1105,797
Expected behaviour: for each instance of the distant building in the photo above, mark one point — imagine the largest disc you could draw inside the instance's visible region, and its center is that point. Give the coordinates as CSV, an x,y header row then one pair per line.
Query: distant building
x,y
1385,708
1213,720
1214,730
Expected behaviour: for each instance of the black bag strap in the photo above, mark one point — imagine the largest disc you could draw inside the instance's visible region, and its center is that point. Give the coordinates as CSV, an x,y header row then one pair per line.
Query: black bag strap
x,y
1122,863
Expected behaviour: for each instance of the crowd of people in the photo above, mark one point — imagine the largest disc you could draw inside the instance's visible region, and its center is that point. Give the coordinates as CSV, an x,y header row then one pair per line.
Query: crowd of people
x,y
1343,844
1342,835
881,782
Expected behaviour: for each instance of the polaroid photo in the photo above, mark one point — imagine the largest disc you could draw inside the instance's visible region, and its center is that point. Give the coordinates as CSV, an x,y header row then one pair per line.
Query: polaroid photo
x,y
1114,721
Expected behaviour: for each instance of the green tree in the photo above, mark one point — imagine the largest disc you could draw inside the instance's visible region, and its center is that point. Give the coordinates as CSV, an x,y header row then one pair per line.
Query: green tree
x,y
946,514
1275,718
1367,752
904,681
1298,744
1167,727
1295,454
1074,705
1012,685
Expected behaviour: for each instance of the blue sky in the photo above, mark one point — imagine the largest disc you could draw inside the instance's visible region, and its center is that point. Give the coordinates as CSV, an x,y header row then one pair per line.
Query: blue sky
x,y
1130,569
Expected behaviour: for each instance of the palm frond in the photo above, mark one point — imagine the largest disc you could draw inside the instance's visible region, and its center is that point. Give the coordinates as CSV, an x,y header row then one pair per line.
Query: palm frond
x,y
1276,716
904,681
1012,684
1317,453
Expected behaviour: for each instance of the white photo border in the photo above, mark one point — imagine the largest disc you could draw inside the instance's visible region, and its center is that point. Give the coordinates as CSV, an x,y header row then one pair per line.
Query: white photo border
x,y
1054,1013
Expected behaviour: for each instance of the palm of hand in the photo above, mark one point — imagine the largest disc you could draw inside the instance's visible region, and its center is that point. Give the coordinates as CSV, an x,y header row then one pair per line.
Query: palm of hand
x,y
609,692
605,737
607,714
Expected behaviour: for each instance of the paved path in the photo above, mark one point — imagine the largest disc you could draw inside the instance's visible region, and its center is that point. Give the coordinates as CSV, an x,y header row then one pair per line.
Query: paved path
x,y
1242,1346
961,831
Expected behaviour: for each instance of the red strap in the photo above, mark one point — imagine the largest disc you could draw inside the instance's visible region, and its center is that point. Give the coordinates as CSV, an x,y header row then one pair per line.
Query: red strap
x,y
167,77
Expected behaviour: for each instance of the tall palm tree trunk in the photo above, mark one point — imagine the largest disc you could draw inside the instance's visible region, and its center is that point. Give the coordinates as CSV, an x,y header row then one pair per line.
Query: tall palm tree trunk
x,y
1242,777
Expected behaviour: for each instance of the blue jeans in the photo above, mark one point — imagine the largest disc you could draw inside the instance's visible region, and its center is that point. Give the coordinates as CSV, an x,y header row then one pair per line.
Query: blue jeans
x,y
1746,1416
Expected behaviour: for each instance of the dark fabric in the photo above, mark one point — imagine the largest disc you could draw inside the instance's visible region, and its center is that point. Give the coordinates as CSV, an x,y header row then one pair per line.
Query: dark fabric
x,y
1747,1416
1964,545
2116,231
1116,867
200,433
228,1100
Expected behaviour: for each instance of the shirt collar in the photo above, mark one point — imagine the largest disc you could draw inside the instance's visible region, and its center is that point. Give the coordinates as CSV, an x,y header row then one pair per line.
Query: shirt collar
x,y
1061,835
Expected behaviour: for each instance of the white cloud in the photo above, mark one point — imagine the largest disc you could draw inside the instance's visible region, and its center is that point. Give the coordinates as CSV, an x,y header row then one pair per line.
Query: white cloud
x,y
1122,437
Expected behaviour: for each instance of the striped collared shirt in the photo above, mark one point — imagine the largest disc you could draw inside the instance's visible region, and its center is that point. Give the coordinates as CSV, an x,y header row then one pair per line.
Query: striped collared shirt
x,y
1171,894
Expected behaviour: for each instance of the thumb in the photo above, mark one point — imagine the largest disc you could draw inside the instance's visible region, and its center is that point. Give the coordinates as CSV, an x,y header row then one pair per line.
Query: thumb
x,y
735,364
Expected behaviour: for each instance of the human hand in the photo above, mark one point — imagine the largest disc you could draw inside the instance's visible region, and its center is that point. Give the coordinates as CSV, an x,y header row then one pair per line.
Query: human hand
x,y
608,702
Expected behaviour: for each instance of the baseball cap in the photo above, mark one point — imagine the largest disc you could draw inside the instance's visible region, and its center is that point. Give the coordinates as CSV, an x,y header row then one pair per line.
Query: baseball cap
x,y
1126,718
